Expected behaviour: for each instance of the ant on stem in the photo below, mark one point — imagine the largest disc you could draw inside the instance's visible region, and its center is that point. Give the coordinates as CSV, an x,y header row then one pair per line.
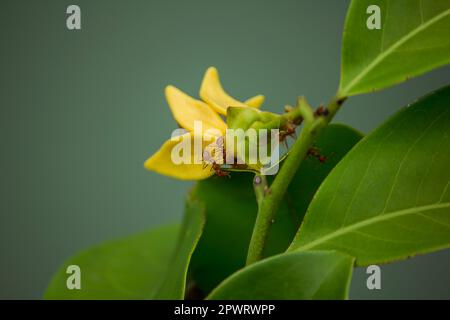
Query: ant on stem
x,y
289,131
321,111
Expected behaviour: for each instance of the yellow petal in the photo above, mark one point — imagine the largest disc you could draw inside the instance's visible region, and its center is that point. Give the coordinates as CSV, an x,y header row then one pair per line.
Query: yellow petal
x,y
255,102
186,110
211,91
163,163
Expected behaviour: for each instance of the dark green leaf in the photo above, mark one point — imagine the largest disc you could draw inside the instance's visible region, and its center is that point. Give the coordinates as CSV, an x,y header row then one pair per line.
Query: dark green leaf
x,y
414,38
333,143
296,275
230,214
389,198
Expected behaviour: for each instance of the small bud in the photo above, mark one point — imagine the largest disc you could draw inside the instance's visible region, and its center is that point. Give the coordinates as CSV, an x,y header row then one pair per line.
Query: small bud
x,y
288,108
241,117
257,180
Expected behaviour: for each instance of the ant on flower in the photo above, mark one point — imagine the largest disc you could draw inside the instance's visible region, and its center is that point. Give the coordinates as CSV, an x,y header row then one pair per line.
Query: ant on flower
x,y
211,160
214,165
289,129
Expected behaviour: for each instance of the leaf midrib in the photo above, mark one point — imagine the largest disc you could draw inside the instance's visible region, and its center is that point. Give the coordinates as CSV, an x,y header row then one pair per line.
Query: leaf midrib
x,y
376,219
391,49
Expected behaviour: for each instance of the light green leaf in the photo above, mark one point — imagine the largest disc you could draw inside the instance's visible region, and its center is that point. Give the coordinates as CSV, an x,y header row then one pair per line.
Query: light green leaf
x,y
173,286
130,268
231,211
389,198
414,38
294,276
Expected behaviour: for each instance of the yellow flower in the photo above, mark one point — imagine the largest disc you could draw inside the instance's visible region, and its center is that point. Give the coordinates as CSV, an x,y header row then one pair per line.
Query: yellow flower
x,y
186,110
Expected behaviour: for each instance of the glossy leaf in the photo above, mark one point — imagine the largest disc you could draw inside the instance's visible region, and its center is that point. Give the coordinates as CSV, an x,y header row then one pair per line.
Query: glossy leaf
x,y
130,268
173,286
389,198
297,275
414,38
231,211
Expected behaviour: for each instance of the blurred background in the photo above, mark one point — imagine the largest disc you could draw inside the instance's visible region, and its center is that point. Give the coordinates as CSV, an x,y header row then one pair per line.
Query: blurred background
x,y
80,111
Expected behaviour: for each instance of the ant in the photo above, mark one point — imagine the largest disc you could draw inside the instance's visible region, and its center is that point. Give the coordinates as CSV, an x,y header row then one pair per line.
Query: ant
x,y
218,170
288,132
314,152
214,165
290,127
209,160
321,111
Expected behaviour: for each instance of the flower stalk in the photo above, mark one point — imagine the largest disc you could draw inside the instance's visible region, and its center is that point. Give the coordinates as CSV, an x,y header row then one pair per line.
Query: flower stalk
x,y
273,195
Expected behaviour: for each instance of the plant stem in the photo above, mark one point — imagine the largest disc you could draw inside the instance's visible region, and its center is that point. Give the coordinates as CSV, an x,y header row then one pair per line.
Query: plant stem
x,y
273,196
260,186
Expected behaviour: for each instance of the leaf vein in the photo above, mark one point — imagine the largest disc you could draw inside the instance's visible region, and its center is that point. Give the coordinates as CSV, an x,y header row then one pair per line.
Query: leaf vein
x,y
376,219
392,49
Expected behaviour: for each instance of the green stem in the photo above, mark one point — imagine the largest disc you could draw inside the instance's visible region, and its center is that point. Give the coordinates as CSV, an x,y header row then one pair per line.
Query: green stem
x,y
260,186
273,197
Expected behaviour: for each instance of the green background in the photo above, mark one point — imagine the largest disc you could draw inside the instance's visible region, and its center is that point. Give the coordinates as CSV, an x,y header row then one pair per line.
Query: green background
x,y
82,110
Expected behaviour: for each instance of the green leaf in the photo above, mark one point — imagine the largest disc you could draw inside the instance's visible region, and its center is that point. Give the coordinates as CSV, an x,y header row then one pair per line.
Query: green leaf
x,y
333,143
296,275
130,268
230,214
173,286
231,211
414,38
389,198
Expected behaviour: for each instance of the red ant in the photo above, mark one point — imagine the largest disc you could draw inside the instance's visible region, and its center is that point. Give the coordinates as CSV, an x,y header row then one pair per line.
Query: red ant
x,y
219,172
321,111
314,152
288,132
208,160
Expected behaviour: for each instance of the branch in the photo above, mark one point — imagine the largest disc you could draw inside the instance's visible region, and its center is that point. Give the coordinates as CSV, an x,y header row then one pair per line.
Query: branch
x,y
273,197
